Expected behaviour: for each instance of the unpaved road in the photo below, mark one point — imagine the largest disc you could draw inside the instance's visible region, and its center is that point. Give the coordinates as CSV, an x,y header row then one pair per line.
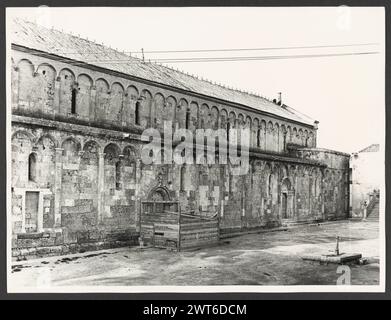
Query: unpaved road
x,y
254,259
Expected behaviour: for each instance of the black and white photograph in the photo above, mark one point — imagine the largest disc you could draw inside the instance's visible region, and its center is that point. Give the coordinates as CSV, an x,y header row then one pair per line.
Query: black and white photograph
x,y
195,149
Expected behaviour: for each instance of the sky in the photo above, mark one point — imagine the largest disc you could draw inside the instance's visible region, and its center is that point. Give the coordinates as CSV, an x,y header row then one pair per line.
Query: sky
x,y
346,94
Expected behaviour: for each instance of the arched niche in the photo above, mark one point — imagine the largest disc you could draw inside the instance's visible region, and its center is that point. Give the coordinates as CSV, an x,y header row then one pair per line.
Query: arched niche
x,y
44,83
116,103
83,97
25,79
66,80
145,108
159,103
102,99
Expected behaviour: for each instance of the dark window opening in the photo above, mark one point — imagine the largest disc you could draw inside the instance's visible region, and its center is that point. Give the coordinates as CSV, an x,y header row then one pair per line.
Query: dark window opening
x,y
137,113
228,128
73,102
118,175
32,169
187,119
259,138
284,143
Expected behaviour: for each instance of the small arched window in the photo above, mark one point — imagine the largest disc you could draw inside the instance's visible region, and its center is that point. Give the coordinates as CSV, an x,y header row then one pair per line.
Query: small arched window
x,y
228,128
137,113
73,100
270,186
187,119
118,175
259,138
32,167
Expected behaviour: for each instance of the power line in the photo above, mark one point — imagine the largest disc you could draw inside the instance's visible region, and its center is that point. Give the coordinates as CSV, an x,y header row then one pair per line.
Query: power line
x,y
236,49
259,49
227,59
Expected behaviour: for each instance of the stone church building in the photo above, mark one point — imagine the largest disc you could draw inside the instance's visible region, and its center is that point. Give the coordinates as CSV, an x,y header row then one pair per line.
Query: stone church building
x,y
77,180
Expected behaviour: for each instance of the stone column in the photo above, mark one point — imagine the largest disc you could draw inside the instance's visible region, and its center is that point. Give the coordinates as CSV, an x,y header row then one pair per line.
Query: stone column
x,y
137,194
101,185
58,188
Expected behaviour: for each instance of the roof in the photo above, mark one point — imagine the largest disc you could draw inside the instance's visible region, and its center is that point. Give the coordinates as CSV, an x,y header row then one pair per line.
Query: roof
x,y
33,36
372,148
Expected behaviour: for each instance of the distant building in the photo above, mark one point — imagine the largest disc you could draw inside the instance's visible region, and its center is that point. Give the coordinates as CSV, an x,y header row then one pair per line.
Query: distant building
x,y
366,178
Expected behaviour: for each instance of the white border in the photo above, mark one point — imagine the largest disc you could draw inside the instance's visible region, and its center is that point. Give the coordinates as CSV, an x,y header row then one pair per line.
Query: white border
x,y
178,289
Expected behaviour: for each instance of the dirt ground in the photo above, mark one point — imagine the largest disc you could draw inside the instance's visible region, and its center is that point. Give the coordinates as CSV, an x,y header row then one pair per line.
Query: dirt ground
x,y
255,259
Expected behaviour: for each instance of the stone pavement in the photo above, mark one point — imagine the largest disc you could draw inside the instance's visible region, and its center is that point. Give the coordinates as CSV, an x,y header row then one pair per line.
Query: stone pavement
x,y
253,259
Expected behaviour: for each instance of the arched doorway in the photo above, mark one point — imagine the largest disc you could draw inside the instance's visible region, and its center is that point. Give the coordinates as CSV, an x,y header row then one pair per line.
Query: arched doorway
x,y
159,195
286,199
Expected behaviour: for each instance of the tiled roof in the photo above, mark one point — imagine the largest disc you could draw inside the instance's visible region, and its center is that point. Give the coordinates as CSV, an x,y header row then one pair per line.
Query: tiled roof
x,y
33,36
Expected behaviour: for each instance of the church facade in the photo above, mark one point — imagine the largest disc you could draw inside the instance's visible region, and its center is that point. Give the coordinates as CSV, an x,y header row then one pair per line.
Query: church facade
x,y
77,178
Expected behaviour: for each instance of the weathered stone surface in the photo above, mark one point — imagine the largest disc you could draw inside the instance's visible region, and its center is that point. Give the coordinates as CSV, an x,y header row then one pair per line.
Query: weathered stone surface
x,y
90,179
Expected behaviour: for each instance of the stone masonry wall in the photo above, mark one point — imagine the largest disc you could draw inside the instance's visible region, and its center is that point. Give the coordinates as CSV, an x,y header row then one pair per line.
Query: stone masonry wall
x,y
78,180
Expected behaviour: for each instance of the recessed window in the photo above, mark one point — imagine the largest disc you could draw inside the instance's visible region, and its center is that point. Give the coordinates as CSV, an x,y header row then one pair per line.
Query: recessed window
x,y
32,167
118,175
187,119
137,113
73,101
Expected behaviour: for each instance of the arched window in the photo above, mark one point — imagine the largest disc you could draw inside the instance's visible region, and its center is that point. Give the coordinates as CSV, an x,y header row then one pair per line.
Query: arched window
x,y
118,175
187,119
259,138
137,113
32,169
73,100
228,128
270,186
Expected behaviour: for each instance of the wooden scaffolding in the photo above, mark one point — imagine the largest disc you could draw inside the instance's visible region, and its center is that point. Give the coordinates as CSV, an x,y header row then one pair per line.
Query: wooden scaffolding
x,y
163,225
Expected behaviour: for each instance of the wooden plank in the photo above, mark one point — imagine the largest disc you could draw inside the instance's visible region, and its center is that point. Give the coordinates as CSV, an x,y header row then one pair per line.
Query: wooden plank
x,y
199,236
166,234
203,223
199,230
198,227
162,226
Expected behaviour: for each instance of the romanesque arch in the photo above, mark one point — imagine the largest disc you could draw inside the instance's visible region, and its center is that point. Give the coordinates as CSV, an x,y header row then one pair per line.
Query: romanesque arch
x,y
159,193
21,148
286,201
102,99
255,133
44,85
116,103
83,96
145,108
180,114
204,116
129,105
66,80
159,103
25,79
130,165
112,167
193,116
